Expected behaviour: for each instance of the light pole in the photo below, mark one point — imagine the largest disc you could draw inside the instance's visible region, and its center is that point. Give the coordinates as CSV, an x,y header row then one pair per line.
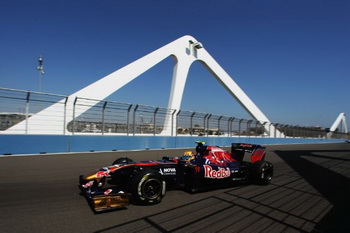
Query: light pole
x,y
40,68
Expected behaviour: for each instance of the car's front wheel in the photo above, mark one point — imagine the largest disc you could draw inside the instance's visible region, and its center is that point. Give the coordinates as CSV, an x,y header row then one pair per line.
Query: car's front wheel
x,y
147,187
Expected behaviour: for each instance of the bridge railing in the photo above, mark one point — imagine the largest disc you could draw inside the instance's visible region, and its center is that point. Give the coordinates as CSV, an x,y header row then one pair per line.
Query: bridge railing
x,y
106,117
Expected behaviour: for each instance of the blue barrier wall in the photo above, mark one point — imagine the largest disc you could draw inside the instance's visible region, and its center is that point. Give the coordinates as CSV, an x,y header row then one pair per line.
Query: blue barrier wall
x,y
36,144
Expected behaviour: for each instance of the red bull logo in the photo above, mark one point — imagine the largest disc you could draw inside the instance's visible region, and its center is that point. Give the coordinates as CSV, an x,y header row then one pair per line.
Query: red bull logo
x,y
209,172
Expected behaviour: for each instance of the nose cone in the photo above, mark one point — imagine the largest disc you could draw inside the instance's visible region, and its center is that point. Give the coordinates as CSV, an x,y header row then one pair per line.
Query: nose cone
x,y
90,176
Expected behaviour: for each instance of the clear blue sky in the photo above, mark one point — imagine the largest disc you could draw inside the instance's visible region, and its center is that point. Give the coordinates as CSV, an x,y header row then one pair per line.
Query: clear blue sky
x,y
292,58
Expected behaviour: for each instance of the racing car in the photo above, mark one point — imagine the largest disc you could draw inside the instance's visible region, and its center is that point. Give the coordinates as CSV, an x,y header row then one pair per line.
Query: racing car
x,y
146,182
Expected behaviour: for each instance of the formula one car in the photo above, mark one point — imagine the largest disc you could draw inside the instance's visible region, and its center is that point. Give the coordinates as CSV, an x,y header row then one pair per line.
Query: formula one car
x,y
146,182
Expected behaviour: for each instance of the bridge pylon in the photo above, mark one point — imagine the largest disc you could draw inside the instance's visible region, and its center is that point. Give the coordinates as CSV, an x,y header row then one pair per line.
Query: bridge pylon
x,y
340,121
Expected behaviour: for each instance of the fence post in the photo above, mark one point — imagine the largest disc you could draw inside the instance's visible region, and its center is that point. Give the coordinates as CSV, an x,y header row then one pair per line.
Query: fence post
x,y
204,122
248,127
219,126
177,121
281,129
73,125
208,124
286,130
239,127
154,121
65,116
134,118
231,127
256,128
228,126
27,111
127,120
276,125
103,117
191,123
172,122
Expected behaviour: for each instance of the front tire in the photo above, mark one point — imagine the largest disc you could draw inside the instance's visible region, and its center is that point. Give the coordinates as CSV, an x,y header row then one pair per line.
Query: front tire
x,y
147,187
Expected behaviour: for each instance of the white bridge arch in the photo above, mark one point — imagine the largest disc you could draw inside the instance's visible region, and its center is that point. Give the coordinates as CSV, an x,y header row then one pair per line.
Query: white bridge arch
x,y
340,121
185,51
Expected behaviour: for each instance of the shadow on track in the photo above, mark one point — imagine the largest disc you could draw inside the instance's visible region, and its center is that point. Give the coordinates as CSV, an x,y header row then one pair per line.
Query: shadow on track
x,y
329,175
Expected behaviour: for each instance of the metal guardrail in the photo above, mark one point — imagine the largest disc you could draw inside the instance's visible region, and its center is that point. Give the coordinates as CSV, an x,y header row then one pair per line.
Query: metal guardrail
x,y
109,117
102,117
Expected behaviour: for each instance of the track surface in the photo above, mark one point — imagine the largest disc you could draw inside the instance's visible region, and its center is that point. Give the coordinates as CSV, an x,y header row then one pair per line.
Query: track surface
x,y
310,192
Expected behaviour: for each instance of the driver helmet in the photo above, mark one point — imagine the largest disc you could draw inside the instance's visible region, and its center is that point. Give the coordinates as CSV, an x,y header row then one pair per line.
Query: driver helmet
x,y
188,156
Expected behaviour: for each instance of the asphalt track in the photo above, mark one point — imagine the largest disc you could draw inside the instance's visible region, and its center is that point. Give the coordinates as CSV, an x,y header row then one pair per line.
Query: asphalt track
x,y
309,193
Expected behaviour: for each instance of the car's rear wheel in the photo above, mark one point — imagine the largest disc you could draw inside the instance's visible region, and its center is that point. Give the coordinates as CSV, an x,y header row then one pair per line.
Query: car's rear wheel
x,y
147,187
262,172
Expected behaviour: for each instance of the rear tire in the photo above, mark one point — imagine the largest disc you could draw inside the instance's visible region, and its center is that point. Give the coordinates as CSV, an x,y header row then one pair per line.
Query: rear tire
x,y
262,172
147,188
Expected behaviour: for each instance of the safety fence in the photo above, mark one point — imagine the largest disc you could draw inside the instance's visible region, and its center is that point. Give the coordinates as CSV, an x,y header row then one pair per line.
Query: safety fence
x,y
104,117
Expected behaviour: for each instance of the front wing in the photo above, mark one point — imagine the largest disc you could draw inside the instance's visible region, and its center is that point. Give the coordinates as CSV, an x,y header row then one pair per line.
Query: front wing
x,y
105,199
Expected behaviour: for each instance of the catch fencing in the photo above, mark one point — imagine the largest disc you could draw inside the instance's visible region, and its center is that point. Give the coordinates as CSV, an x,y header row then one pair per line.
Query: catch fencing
x,y
105,117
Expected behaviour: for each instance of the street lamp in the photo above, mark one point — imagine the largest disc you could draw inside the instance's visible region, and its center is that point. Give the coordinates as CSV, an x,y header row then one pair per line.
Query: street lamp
x,y
40,68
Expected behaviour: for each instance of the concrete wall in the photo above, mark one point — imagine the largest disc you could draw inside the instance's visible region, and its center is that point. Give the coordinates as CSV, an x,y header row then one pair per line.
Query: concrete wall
x,y
36,144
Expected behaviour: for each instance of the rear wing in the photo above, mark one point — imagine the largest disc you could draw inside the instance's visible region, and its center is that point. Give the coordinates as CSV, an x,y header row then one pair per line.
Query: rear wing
x,y
257,152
